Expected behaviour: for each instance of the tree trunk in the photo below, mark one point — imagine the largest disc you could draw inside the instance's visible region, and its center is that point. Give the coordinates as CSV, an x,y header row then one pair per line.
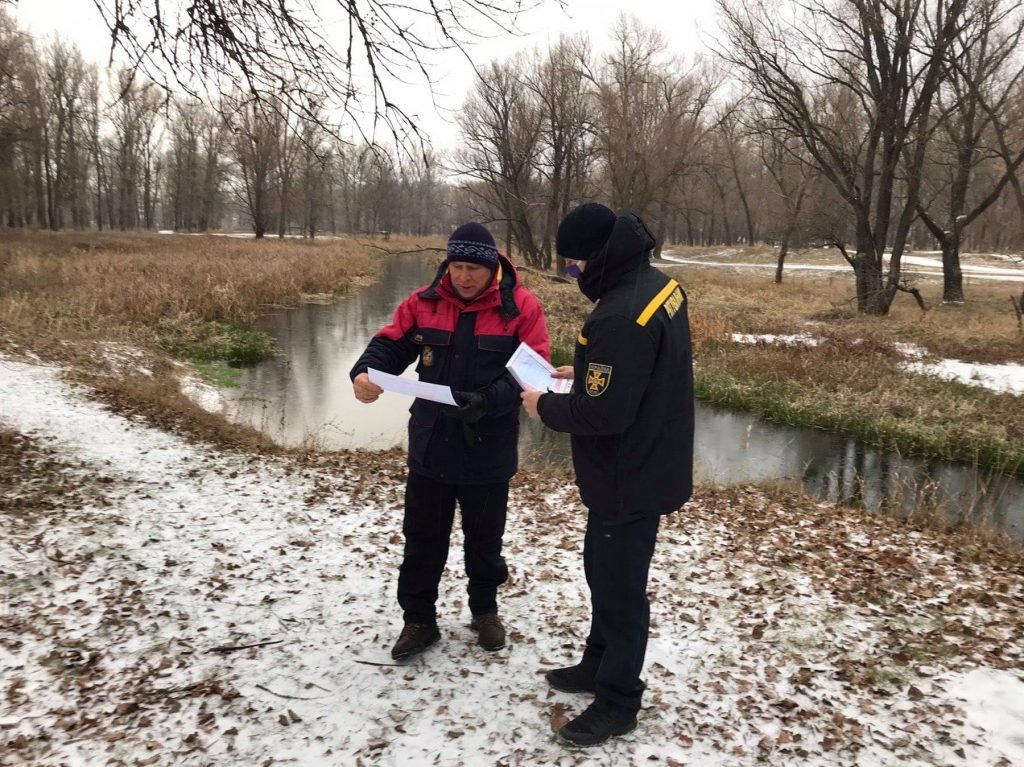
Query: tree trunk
x,y
872,297
952,275
781,262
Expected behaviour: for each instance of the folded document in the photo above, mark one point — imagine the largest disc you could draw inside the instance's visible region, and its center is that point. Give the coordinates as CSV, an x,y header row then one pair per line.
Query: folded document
x,y
533,372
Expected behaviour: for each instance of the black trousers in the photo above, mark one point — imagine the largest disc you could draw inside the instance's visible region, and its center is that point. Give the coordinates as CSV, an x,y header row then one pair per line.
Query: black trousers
x,y
429,513
616,560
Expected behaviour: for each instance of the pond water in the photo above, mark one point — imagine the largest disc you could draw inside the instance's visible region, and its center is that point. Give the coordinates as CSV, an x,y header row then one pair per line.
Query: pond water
x,y
304,396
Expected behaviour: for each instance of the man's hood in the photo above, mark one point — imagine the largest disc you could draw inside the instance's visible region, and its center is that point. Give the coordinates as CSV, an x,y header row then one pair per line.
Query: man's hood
x,y
628,247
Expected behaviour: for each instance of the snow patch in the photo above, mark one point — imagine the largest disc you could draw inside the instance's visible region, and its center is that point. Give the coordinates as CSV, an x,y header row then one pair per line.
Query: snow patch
x,y
207,396
1008,377
1005,377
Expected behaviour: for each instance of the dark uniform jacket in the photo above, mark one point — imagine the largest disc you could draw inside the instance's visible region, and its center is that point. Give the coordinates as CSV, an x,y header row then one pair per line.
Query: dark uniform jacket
x,y
631,411
464,346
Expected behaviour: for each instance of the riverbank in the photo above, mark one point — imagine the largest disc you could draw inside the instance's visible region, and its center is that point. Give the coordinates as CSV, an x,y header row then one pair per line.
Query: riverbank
x,y
170,602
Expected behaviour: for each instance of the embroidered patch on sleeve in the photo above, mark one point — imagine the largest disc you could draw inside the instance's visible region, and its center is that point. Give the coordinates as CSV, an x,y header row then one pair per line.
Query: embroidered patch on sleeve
x,y
598,378
673,302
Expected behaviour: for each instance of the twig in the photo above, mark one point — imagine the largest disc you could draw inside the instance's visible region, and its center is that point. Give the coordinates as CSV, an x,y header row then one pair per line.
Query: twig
x,y
156,693
404,252
376,663
289,697
915,293
235,647
545,275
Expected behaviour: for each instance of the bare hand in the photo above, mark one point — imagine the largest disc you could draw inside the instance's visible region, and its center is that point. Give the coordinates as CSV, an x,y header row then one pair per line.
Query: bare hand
x,y
530,399
364,389
564,371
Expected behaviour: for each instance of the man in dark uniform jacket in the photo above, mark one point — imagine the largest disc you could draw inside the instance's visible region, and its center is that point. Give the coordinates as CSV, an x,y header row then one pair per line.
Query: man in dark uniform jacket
x,y
460,330
631,416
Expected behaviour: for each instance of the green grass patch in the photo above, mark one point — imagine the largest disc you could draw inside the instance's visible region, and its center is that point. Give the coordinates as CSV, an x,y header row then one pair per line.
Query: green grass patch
x,y
218,373
216,342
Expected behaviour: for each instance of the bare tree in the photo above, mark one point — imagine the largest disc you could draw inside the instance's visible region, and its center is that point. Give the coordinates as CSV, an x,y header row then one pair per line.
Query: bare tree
x,y
185,165
566,149
136,107
650,119
792,176
288,150
855,81
65,153
314,166
214,45
734,133
255,146
501,128
975,154
18,116
94,142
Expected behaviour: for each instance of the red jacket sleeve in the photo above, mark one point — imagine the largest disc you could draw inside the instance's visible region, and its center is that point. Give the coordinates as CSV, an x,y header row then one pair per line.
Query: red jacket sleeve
x,y
533,328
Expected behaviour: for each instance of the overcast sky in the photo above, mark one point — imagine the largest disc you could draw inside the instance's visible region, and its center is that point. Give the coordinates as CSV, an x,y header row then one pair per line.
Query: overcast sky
x,y
688,27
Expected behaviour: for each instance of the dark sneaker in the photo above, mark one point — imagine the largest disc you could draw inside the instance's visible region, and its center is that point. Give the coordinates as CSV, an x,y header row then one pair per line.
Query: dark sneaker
x,y
571,679
597,724
490,632
415,638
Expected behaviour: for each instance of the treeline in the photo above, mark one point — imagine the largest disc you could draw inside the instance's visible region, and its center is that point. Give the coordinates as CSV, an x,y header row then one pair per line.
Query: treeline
x,y
80,147
709,154
861,124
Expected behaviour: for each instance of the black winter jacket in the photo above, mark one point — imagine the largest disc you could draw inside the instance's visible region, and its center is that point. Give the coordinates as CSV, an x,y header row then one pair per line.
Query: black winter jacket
x,y
464,346
631,412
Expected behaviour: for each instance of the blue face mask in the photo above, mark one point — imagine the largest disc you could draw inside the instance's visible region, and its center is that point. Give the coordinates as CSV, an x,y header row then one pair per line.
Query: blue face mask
x,y
573,271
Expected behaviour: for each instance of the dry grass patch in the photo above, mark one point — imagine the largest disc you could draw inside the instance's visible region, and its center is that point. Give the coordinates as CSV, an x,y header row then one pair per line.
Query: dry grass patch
x,y
88,284
983,330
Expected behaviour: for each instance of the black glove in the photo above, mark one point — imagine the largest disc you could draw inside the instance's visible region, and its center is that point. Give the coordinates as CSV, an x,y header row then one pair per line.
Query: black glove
x,y
472,406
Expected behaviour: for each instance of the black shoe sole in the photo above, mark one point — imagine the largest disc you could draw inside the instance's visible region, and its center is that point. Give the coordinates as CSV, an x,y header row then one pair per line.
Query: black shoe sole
x,y
567,741
554,684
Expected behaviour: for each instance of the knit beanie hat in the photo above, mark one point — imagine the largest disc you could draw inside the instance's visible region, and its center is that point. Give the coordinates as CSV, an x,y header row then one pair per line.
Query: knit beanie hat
x,y
584,231
472,242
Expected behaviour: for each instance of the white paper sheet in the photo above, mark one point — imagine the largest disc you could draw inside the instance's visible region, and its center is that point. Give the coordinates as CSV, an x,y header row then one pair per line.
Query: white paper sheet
x,y
432,392
533,372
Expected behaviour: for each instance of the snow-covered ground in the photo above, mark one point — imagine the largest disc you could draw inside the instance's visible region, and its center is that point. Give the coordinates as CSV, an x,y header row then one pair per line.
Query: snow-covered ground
x,y
925,265
1005,377
198,607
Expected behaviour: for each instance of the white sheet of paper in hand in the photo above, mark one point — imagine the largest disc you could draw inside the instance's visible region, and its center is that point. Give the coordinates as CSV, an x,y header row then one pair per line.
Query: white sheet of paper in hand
x,y
532,371
432,392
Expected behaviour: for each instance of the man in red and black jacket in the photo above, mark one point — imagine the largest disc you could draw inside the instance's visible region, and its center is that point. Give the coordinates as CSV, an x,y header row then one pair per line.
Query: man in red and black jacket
x,y
461,330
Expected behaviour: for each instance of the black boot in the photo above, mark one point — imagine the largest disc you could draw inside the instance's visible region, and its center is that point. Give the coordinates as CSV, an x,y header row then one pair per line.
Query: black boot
x,y
597,724
490,632
571,679
415,638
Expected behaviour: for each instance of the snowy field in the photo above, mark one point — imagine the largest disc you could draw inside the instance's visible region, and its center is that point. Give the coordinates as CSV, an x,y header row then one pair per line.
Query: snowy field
x,y
197,607
928,264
